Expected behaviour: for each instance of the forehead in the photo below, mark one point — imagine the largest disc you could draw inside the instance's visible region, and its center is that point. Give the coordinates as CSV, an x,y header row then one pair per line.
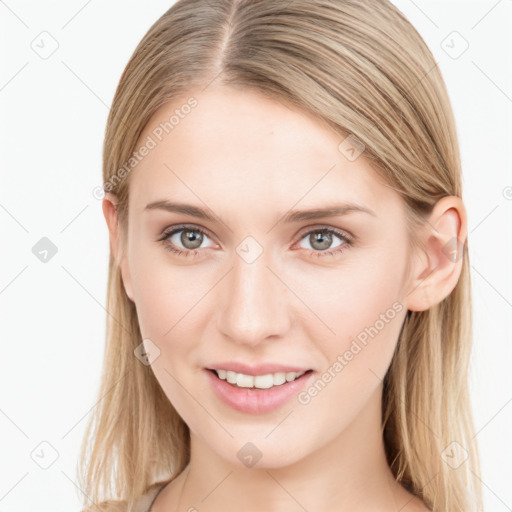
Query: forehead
x,y
238,145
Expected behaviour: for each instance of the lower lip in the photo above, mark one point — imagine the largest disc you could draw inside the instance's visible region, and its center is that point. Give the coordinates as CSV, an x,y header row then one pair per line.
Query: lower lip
x,y
253,400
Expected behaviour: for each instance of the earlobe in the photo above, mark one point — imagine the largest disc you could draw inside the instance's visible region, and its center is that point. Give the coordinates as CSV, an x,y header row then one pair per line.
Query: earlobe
x,y
109,207
438,268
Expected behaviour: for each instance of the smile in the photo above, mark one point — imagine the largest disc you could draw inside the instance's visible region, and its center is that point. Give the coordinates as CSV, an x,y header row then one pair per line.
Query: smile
x,y
257,394
267,381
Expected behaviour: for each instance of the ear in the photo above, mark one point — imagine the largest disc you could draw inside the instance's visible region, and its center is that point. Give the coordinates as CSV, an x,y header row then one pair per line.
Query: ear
x,y
437,269
109,207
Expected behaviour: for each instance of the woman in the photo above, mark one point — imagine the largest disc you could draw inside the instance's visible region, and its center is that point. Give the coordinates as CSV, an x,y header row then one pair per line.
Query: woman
x,y
289,292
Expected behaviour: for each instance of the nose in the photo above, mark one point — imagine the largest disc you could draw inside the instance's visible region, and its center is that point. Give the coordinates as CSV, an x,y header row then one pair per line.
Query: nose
x,y
254,303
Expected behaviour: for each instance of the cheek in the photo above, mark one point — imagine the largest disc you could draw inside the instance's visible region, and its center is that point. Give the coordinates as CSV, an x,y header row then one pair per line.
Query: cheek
x,y
164,292
172,309
170,312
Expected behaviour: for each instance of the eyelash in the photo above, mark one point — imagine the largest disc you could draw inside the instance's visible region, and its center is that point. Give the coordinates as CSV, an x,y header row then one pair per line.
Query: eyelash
x,y
192,252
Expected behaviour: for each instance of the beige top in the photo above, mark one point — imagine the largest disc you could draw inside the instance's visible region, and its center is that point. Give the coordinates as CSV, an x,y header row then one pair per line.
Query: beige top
x,y
143,503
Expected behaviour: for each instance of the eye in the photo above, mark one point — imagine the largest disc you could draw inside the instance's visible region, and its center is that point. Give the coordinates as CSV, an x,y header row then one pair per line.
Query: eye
x,y
186,240
322,239
190,238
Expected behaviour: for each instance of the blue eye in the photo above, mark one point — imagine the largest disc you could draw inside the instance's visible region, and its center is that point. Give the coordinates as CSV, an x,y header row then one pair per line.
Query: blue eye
x,y
192,237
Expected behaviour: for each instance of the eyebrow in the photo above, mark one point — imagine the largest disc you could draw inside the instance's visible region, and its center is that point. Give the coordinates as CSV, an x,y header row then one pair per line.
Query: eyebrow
x,y
336,210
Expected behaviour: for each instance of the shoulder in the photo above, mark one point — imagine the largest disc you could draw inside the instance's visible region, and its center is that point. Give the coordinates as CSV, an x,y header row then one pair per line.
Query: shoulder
x,y
142,504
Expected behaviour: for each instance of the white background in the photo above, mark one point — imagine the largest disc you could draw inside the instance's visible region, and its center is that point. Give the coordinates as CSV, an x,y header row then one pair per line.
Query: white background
x,y
53,115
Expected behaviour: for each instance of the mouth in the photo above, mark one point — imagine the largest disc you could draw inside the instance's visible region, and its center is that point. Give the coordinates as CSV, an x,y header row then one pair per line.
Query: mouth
x,y
256,394
257,382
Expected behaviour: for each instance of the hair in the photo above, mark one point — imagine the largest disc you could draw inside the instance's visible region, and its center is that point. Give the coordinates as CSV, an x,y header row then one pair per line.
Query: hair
x,y
363,69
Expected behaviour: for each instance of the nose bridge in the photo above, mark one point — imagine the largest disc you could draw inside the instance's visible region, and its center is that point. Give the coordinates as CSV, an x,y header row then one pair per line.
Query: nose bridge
x,y
254,305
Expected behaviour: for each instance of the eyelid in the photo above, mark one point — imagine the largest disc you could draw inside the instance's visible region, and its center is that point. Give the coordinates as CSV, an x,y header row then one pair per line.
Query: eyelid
x,y
319,227
181,227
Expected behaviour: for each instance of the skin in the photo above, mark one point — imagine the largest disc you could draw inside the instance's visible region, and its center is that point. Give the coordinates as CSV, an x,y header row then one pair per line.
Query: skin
x,y
251,160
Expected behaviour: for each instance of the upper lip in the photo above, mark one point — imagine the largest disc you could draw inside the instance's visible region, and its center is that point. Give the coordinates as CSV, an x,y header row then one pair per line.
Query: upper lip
x,y
257,369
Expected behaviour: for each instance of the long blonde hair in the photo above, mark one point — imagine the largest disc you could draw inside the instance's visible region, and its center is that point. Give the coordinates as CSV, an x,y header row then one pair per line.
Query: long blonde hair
x,y
363,68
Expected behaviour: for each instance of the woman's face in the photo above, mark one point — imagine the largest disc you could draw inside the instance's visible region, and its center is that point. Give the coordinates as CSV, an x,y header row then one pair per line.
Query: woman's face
x,y
257,283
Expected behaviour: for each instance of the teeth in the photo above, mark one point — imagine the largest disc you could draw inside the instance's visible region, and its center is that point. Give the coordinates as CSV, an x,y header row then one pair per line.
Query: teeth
x,y
244,381
230,377
259,381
